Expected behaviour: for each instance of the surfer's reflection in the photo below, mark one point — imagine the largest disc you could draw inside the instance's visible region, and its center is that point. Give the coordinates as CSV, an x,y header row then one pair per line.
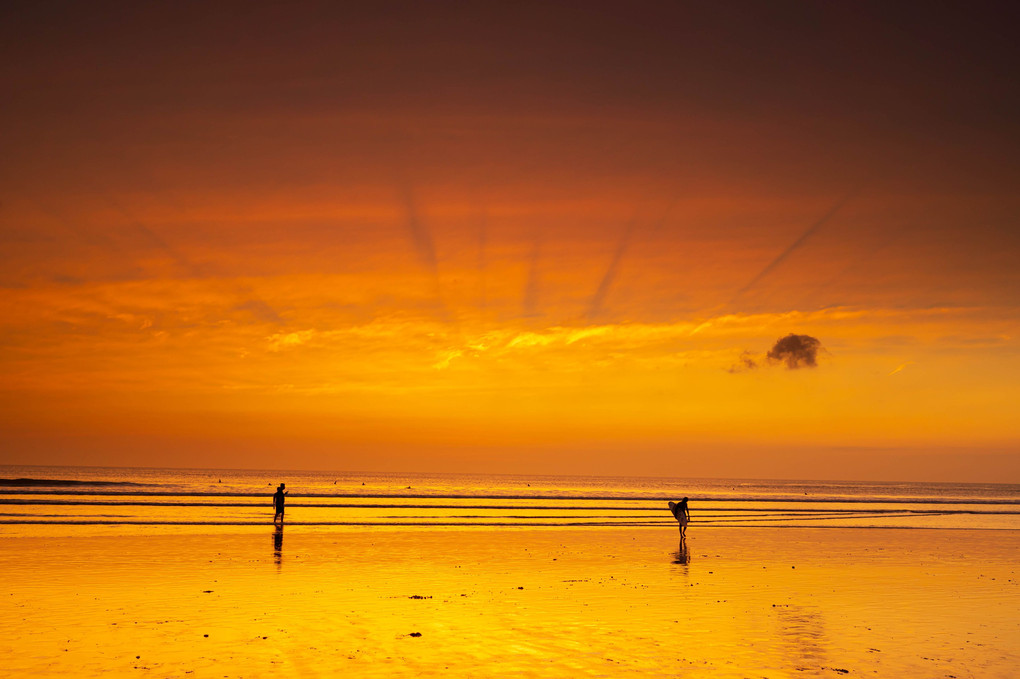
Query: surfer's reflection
x,y
682,555
278,544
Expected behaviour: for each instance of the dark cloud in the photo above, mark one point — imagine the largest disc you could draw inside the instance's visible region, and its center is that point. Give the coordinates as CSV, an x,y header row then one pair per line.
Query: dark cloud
x,y
747,362
796,351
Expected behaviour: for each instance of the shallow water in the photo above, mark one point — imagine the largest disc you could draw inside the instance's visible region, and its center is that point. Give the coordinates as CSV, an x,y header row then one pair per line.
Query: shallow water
x,y
550,602
181,573
80,500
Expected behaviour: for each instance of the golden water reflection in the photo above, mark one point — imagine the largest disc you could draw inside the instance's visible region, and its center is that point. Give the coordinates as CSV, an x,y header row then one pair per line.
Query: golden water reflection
x,y
801,631
682,556
278,545
543,603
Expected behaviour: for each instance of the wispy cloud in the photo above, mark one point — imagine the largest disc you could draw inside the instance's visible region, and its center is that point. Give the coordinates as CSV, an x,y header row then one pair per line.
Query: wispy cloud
x,y
446,358
261,311
795,245
421,239
288,340
901,367
747,361
531,287
483,244
598,300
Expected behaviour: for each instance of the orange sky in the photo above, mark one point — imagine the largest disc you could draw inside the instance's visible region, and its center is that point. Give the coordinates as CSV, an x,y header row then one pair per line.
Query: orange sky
x,y
535,238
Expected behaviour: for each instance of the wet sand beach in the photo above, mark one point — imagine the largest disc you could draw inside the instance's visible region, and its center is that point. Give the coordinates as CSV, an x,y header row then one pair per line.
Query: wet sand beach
x,y
553,602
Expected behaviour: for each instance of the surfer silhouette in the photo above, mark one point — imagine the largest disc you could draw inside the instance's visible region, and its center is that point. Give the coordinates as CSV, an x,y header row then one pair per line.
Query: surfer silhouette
x,y
278,498
681,514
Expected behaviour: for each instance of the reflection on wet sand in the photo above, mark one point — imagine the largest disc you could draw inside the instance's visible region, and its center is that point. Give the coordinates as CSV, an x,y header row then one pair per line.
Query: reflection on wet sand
x,y
759,602
682,555
278,544
803,632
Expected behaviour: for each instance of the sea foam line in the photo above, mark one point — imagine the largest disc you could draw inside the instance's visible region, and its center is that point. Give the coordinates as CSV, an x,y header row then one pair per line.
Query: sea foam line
x,y
18,502
548,498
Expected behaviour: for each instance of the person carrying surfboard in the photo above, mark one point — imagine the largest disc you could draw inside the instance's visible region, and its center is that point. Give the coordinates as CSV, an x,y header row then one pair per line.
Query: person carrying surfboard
x,y
682,514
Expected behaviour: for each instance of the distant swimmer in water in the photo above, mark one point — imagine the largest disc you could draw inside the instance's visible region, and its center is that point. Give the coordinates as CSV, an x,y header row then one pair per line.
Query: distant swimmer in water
x,y
681,514
278,498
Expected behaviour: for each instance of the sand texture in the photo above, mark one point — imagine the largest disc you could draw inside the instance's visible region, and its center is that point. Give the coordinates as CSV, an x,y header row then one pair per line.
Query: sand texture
x,y
522,602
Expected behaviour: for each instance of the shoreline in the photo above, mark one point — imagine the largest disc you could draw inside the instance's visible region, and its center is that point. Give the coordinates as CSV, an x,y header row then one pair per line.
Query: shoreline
x,y
172,529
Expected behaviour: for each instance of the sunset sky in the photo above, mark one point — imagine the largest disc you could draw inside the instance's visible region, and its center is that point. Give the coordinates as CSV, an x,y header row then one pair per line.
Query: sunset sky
x,y
512,237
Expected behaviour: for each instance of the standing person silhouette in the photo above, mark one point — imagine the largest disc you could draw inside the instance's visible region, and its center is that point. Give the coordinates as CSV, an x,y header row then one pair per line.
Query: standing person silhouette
x,y
682,514
278,498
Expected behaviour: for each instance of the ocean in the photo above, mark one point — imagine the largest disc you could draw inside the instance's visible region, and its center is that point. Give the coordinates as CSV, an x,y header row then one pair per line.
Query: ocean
x,y
106,500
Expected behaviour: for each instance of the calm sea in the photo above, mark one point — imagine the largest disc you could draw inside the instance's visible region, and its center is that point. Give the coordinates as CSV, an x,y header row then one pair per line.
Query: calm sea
x,y
68,500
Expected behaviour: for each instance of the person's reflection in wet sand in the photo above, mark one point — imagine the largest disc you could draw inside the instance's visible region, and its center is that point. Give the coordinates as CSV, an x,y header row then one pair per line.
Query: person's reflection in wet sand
x,y
682,555
278,545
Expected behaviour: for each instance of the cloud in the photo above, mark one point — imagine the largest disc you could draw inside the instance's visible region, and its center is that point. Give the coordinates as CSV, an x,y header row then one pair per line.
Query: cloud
x,y
421,237
747,362
609,277
483,243
531,287
287,340
446,358
796,351
790,249
599,298
900,367
260,310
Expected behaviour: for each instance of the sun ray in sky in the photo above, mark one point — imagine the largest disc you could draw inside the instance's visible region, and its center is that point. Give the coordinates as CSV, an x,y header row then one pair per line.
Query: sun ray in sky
x,y
509,238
